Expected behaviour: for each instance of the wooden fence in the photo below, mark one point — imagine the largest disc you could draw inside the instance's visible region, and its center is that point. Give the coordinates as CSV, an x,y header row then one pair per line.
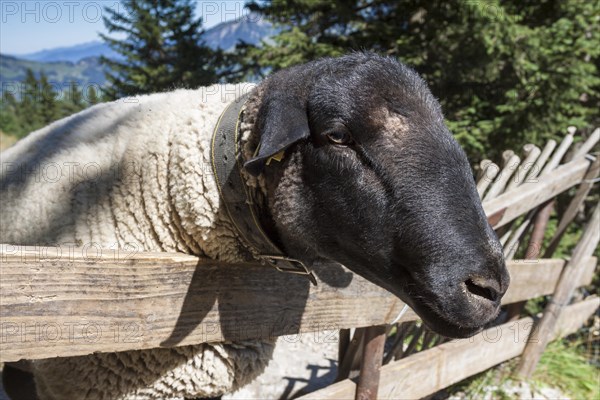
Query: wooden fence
x,y
74,301
430,370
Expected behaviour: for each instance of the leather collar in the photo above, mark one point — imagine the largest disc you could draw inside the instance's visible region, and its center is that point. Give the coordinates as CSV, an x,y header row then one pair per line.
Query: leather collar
x,y
237,198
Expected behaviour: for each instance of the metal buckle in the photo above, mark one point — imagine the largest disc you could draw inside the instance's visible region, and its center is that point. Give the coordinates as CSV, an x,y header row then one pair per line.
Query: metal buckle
x,y
297,266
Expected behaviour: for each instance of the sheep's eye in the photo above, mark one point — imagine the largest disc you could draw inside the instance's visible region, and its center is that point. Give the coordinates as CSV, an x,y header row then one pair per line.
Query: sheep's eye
x,y
339,137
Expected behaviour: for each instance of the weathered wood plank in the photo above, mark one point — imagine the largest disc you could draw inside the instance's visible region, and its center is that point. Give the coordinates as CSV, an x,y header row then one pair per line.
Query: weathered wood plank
x,y
431,370
531,194
542,216
57,302
51,306
568,281
370,366
534,278
510,167
488,175
571,319
530,154
351,359
576,202
588,144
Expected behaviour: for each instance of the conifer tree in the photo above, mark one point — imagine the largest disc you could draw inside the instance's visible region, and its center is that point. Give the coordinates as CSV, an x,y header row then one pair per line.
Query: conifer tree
x,y
163,49
74,100
92,96
29,110
39,105
9,122
49,108
506,73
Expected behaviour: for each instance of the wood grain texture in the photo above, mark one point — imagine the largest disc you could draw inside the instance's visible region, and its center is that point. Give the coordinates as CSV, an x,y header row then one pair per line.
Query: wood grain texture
x,y
576,202
574,316
370,366
511,164
427,372
70,305
76,301
568,281
534,278
533,193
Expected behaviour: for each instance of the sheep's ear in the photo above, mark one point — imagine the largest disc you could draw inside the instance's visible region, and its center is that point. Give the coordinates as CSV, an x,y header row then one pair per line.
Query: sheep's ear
x,y
282,122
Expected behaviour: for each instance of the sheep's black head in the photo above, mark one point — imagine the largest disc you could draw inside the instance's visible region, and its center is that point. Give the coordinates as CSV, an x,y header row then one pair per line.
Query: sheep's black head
x,y
373,179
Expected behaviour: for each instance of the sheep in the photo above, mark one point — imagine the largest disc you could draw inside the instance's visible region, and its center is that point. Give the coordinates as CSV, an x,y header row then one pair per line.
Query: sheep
x,y
347,160
151,157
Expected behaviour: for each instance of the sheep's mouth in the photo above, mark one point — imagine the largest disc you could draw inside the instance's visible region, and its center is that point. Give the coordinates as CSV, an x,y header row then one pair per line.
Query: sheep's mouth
x,y
425,304
450,312
442,325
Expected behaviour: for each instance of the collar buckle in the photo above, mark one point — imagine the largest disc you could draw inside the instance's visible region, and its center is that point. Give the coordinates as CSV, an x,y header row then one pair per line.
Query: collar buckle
x,y
295,266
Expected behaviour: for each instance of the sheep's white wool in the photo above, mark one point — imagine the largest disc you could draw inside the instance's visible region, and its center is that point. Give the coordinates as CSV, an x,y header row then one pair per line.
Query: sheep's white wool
x,y
121,174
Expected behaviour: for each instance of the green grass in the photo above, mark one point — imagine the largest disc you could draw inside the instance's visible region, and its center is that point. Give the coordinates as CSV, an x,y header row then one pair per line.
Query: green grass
x,y
474,387
6,140
565,367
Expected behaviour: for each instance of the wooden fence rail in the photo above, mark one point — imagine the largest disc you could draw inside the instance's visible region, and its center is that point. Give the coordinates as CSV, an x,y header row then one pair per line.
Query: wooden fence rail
x,y
54,305
516,188
562,294
77,306
529,195
431,370
64,301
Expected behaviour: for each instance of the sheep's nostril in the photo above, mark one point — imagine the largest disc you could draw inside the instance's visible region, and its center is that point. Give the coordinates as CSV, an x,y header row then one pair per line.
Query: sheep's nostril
x,y
482,290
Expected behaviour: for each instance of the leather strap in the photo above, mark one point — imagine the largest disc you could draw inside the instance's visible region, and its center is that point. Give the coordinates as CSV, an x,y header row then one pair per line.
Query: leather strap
x,y
235,195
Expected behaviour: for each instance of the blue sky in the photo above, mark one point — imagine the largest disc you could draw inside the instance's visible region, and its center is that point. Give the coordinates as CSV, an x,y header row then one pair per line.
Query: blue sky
x,y
29,26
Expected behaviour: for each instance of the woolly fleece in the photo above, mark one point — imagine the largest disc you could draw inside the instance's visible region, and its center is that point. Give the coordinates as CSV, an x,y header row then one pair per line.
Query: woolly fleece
x,y
131,173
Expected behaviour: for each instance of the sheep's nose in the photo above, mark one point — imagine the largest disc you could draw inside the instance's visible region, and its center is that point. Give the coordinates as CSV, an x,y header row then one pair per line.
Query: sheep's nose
x,y
484,288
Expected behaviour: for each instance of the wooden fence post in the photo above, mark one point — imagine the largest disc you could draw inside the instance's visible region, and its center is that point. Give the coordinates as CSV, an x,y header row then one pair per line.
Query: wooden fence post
x,y
571,211
565,287
351,359
533,250
370,367
343,345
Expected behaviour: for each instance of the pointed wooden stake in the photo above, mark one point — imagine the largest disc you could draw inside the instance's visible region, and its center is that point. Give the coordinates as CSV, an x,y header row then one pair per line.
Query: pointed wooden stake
x,y
563,293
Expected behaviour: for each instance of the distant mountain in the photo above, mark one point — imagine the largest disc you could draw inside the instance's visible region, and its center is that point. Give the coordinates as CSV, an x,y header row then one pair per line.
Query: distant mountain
x,y
224,36
80,63
72,53
87,71
250,29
